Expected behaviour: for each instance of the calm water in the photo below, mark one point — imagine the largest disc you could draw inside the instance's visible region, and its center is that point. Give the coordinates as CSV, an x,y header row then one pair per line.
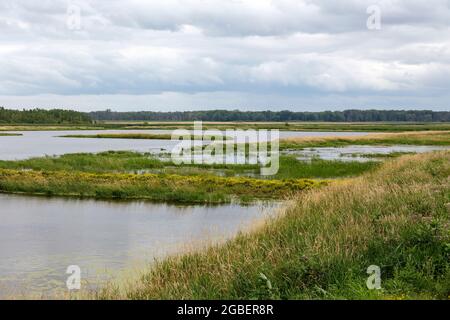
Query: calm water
x,y
41,143
355,153
41,237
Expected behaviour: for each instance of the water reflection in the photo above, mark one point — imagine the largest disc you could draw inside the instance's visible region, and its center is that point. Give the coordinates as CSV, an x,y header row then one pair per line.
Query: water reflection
x,y
359,153
40,237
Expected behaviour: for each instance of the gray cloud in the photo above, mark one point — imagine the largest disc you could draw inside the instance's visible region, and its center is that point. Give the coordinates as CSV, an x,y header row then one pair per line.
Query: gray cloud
x,y
225,52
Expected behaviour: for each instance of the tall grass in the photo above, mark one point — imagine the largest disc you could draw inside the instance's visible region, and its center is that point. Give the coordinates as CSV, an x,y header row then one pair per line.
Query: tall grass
x,y
291,168
397,218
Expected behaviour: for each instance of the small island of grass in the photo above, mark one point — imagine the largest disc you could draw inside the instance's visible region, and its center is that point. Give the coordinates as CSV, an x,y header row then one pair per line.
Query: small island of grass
x,y
3,134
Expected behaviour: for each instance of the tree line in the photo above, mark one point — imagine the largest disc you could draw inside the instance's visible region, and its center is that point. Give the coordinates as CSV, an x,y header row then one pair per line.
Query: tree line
x,y
40,116
59,116
282,116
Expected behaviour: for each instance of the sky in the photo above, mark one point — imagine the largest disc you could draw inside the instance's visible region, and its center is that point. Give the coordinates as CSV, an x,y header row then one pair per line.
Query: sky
x,y
171,55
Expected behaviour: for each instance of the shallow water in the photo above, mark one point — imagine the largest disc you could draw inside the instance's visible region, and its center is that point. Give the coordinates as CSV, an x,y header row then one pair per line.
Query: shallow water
x,y
40,237
356,153
41,143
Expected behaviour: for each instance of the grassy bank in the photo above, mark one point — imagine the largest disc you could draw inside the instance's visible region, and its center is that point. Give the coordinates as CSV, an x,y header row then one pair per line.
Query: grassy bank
x,y
439,138
397,218
158,187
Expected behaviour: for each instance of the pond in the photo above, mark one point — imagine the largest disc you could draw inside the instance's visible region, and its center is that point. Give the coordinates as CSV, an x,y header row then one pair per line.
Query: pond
x,y
40,237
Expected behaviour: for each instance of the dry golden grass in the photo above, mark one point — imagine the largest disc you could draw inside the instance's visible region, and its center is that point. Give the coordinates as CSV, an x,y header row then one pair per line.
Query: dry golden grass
x,y
417,138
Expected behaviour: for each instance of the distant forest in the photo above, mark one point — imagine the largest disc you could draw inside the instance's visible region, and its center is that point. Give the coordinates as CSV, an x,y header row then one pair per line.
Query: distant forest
x,y
59,116
236,115
39,116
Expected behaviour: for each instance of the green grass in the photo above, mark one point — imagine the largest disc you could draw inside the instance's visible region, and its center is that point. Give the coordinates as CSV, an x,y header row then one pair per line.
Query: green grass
x,y
129,162
115,175
119,161
9,134
103,162
290,167
397,217
158,187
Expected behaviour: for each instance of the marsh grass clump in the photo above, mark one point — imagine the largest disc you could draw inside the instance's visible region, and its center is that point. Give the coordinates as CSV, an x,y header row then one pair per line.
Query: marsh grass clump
x,y
4,134
110,161
396,217
159,187
143,136
291,167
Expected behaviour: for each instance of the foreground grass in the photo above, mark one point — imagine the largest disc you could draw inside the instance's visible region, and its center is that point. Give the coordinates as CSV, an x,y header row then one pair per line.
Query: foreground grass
x,y
397,218
436,138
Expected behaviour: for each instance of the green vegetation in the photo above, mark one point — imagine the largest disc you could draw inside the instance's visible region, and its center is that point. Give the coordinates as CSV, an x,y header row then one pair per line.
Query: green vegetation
x,y
397,217
158,187
131,175
130,162
120,161
290,167
9,134
40,116
438,138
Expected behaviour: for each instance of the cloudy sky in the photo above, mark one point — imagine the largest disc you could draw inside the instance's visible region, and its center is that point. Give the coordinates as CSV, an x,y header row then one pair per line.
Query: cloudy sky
x,y
246,54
